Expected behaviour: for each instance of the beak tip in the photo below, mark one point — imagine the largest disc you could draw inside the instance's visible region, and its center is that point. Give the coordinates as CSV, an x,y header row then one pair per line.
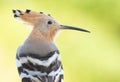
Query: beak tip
x,y
88,31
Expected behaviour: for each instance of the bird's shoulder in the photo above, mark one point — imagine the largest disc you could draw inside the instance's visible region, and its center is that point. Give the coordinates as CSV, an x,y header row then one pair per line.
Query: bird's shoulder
x,y
36,55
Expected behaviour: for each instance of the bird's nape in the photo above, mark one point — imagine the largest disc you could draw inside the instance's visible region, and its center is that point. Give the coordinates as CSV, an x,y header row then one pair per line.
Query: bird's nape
x,y
73,28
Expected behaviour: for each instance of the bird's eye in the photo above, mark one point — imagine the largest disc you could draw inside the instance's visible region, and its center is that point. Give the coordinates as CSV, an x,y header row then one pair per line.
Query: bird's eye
x,y
49,22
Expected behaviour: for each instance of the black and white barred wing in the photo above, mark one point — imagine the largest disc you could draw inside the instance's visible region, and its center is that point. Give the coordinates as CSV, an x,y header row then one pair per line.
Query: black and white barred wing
x,y
33,68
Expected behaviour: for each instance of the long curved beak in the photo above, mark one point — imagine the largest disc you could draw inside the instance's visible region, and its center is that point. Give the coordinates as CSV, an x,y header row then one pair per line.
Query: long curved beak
x,y
74,28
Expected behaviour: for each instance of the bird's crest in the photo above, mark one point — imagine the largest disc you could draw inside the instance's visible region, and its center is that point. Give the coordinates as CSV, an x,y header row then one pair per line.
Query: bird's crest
x,y
44,25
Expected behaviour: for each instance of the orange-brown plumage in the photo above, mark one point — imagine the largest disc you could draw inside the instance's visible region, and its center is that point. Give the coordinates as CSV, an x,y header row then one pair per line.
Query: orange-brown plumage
x,y
40,30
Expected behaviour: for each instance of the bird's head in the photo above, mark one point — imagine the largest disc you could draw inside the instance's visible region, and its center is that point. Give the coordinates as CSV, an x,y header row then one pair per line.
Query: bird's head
x,y
43,24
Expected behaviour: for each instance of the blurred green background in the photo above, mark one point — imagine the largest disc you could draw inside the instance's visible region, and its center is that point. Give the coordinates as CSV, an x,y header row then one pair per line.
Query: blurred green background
x,y
87,57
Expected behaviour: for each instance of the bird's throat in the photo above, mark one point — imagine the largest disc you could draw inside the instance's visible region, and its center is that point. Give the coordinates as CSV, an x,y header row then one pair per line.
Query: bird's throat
x,y
37,43
47,36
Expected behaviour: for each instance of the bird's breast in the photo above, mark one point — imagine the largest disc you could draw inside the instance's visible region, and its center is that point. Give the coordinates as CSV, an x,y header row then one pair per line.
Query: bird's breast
x,y
35,66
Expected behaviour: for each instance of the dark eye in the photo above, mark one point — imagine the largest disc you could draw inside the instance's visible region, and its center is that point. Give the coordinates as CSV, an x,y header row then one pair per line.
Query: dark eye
x,y
49,22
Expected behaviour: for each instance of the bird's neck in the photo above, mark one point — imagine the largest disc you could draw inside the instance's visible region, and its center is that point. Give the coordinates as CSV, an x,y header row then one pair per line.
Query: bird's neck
x,y
47,37
38,44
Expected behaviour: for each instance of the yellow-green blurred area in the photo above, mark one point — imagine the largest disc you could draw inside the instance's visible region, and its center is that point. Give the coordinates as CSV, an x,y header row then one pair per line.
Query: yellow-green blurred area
x,y
87,57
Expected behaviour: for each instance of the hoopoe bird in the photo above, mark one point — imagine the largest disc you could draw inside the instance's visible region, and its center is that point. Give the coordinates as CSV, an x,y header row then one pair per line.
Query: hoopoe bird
x,y
38,58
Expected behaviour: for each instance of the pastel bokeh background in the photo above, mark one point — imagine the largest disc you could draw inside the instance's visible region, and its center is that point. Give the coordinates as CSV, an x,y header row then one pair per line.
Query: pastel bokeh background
x,y
87,57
